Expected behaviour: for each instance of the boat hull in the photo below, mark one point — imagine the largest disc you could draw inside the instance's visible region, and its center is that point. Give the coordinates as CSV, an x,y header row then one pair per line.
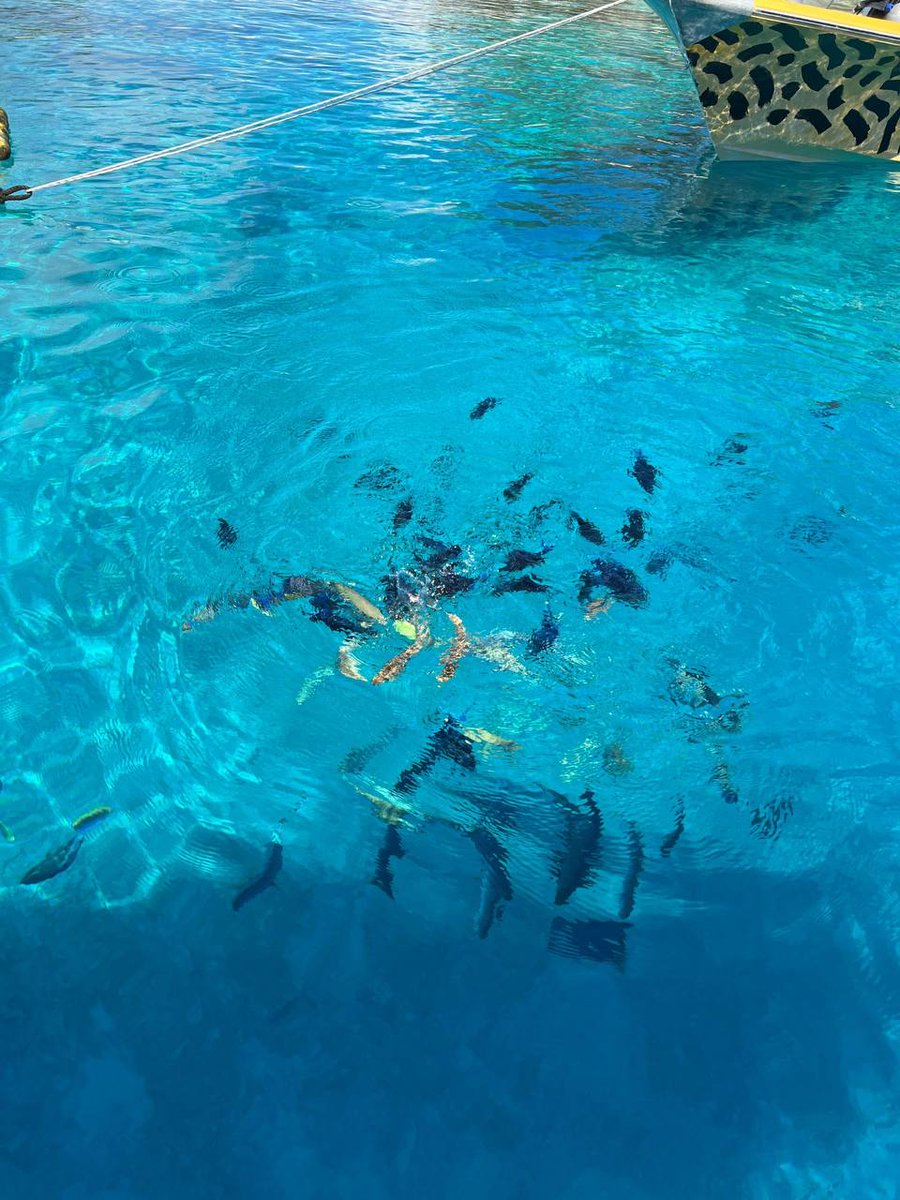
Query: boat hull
x,y
792,81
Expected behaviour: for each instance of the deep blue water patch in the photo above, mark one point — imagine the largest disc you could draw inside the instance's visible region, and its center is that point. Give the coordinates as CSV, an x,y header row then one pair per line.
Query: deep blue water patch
x,y
634,925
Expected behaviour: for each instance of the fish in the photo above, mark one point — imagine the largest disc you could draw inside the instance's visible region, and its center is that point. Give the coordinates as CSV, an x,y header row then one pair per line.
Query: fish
x,y
633,874
444,465
523,583
206,613
226,533
391,847
644,472
824,409
618,580
594,941
448,742
813,530
54,863
439,553
588,530
348,663
514,490
409,778
722,776
576,865
379,479
596,607
670,841
401,592
545,635
397,665
633,529
447,583
731,720
451,742
492,741
483,406
387,810
518,560
540,512
92,817
300,587
659,562
689,687
732,451
265,603
402,514
265,879
493,650
358,757
326,609
496,886
458,649
312,684
360,603
768,820
6,833
616,761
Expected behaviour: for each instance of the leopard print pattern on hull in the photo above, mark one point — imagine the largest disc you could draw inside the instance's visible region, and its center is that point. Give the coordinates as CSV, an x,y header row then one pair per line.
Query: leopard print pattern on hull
x,y
767,81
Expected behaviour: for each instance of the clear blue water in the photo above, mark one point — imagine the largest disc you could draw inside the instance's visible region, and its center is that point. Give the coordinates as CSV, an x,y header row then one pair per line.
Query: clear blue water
x,y
246,332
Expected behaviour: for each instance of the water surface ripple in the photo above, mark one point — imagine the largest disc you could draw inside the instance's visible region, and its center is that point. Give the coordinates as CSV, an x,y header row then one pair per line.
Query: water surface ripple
x,y
678,840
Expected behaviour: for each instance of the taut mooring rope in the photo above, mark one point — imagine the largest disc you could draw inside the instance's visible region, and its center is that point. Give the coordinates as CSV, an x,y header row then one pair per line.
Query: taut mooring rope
x,y
307,109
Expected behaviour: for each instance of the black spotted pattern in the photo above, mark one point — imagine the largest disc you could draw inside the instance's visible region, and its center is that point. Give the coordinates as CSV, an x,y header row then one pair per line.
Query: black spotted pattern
x,y
738,106
789,35
765,84
863,50
828,45
826,88
816,118
813,77
880,108
856,123
758,51
890,128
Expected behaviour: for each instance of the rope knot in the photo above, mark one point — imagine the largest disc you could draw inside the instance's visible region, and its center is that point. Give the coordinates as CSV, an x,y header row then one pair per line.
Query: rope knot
x,y
14,193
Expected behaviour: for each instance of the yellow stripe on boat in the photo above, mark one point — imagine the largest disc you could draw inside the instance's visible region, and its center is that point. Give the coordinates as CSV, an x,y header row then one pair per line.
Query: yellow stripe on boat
x,y
827,18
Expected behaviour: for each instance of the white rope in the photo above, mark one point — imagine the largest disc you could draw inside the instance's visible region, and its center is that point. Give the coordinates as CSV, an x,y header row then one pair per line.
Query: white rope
x,y
321,105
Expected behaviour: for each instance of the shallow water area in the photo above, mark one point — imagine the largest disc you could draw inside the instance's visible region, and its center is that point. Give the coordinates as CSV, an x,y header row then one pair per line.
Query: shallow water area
x,y
642,937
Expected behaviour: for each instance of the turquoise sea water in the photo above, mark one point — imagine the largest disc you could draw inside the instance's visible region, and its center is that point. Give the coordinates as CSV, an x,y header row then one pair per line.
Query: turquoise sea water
x,y
289,332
